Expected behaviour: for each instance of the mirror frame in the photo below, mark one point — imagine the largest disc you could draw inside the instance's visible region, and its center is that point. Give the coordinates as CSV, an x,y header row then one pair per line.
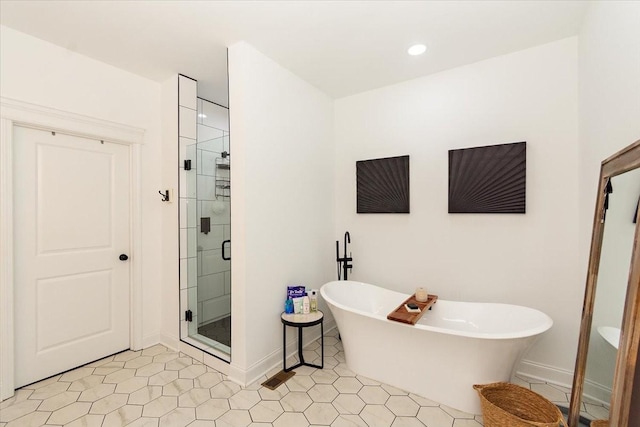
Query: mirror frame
x,y
623,161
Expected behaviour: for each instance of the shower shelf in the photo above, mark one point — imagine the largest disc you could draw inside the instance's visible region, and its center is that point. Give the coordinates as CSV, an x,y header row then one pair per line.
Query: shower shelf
x,y
222,163
223,187
223,182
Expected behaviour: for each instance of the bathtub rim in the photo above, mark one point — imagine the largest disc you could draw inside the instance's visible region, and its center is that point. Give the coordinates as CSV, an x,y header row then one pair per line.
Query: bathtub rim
x,y
538,330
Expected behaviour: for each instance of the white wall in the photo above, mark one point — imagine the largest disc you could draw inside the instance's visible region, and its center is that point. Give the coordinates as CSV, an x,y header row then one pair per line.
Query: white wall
x,y
41,73
282,200
528,259
609,95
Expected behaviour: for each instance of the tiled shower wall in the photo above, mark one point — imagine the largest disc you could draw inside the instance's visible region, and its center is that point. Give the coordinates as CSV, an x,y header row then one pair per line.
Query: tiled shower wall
x,y
214,273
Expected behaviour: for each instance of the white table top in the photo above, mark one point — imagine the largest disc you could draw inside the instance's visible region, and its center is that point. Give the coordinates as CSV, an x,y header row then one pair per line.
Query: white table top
x,y
302,318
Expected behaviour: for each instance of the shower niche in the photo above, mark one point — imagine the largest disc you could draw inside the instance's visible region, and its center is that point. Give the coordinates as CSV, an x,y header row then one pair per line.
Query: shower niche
x,y
205,226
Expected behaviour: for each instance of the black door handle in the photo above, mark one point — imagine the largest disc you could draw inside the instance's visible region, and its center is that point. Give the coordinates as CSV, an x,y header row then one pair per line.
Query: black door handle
x,y
224,257
123,257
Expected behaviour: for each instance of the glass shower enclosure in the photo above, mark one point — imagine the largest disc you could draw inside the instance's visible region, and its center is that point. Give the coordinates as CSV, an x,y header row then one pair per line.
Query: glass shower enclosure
x,y
209,185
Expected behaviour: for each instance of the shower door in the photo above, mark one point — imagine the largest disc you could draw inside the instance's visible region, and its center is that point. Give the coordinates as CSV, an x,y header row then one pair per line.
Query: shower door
x,y
210,301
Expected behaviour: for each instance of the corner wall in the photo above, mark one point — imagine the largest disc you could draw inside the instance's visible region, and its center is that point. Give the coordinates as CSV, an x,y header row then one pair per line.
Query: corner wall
x,y
529,259
281,204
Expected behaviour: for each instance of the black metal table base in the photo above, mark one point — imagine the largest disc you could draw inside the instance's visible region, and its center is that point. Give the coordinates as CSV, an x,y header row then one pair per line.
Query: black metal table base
x,y
300,354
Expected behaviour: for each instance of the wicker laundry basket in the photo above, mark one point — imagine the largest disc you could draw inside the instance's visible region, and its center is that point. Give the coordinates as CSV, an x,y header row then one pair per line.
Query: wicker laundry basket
x,y
600,423
509,405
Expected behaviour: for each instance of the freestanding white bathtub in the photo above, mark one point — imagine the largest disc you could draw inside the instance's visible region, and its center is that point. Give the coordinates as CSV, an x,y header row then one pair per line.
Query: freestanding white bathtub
x,y
453,346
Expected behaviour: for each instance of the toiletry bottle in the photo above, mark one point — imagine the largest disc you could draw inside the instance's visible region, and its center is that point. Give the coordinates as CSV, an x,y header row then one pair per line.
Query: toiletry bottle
x,y
313,301
297,305
305,305
288,306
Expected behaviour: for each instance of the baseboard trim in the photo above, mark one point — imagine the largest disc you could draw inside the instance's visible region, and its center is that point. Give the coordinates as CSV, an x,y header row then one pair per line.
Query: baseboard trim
x,y
235,373
545,373
244,377
561,377
150,341
597,392
172,343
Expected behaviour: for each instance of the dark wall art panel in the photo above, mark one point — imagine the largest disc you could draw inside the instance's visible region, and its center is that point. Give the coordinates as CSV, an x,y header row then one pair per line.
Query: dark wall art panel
x,y
488,179
383,185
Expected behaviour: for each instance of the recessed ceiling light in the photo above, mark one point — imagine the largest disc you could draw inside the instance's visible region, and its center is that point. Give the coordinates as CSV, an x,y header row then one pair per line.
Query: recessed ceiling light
x,y
202,116
417,49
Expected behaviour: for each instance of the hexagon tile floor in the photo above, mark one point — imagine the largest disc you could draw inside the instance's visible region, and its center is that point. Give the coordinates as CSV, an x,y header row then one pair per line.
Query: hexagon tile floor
x,y
159,387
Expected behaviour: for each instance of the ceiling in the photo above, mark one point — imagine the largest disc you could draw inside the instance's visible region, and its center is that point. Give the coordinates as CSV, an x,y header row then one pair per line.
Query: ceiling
x,y
340,47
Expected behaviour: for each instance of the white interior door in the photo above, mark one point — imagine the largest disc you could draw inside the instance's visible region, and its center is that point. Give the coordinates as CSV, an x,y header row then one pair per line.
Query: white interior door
x,y
71,224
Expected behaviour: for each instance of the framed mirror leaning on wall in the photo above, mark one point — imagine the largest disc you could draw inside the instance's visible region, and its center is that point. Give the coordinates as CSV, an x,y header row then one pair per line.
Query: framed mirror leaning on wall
x,y
606,362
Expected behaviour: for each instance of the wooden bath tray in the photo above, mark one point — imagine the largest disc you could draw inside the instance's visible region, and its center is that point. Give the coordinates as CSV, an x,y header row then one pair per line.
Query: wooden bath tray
x,y
401,314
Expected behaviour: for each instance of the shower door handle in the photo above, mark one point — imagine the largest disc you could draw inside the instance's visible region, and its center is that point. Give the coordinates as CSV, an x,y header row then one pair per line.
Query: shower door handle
x,y
224,257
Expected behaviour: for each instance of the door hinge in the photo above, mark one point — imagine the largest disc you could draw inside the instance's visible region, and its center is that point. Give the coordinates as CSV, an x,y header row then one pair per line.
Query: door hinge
x,y
188,316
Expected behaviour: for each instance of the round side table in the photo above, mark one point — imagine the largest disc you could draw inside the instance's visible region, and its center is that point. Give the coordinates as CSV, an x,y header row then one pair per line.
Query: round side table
x,y
301,321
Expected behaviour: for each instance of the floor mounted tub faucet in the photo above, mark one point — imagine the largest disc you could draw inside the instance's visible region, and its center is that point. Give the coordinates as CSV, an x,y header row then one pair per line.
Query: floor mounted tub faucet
x,y
343,263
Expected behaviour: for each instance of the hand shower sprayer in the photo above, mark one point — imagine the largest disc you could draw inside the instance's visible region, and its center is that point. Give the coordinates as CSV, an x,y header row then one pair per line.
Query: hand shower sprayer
x,y
343,263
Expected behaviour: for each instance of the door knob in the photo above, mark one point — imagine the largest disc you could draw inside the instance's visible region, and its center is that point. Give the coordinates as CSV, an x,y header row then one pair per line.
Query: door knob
x,y
123,257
